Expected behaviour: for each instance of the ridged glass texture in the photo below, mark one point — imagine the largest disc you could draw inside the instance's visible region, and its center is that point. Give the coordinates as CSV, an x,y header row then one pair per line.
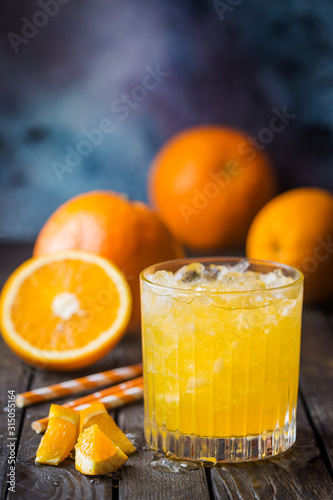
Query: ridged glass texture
x,y
221,369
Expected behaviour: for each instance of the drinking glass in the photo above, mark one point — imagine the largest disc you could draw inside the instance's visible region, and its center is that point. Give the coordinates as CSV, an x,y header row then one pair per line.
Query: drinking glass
x,y
221,368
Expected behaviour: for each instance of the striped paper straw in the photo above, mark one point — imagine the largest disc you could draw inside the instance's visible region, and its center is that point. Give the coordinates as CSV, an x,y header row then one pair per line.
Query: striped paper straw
x,y
113,397
77,385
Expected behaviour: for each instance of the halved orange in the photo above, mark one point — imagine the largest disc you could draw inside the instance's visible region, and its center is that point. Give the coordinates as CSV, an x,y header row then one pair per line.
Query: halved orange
x,y
96,454
97,414
60,436
65,310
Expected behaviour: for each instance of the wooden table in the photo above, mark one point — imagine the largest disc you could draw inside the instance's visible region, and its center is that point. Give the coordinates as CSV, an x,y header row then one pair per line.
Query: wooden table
x,y
303,472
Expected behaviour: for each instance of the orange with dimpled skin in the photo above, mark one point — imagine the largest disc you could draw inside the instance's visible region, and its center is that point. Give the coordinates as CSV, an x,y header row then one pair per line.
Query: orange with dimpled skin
x,y
296,228
207,184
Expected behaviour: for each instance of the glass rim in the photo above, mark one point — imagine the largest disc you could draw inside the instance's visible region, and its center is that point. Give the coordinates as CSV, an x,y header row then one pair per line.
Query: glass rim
x,y
299,279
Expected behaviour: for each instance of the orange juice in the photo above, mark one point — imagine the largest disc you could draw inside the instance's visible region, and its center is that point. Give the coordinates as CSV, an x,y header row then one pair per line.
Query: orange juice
x,y
221,345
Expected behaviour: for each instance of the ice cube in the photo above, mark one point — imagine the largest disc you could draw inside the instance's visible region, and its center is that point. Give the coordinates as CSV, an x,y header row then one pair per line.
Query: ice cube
x,y
275,279
164,278
191,272
212,272
241,266
269,278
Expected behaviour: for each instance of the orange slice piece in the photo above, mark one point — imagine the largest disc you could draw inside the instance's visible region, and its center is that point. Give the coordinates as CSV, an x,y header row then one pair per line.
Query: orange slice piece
x,y
60,436
97,414
65,310
96,454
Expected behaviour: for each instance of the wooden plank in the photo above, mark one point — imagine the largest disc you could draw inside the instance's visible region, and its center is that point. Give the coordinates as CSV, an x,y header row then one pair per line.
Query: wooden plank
x,y
299,473
63,481
14,374
316,380
138,480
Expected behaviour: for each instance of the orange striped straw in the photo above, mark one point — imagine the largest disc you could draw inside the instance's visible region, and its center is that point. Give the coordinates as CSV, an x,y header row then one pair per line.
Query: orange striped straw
x,y
112,397
77,385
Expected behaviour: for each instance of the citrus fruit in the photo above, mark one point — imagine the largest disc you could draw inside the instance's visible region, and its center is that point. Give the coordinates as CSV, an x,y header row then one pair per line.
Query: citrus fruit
x,y
97,414
296,228
60,436
95,453
65,310
128,233
207,184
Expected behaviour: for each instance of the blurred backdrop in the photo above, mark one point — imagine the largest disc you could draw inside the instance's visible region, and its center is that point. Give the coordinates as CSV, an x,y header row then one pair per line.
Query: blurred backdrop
x,y
90,90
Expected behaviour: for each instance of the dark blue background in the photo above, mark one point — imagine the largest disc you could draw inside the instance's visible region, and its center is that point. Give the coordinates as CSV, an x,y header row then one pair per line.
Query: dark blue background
x,y
233,71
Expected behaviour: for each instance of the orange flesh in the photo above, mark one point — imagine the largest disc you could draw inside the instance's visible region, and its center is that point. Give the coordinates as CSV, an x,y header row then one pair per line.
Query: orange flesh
x,y
92,287
107,425
96,446
60,436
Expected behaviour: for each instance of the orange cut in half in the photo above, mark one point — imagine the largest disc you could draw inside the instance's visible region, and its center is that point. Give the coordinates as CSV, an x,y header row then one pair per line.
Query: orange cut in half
x,y
60,436
97,414
66,310
96,454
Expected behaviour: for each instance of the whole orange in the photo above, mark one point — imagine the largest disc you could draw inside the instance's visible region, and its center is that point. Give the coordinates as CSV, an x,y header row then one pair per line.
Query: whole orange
x,y
128,233
296,228
207,184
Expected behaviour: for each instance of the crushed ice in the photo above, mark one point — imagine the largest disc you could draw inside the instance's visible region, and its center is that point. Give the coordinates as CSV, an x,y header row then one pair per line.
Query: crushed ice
x,y
197,277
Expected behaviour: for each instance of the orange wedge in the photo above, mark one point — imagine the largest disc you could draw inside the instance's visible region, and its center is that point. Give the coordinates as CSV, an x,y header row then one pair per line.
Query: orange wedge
x,y
96,454
60,436
97,414
65,310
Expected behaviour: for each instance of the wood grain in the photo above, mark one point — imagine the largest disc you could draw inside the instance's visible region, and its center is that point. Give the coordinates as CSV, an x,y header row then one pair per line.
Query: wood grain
x,y
140,482
316,379
63,481
14,375
299,473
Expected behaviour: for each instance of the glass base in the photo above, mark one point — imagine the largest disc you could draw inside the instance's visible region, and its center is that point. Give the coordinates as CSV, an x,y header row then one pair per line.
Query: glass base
x,y
236,449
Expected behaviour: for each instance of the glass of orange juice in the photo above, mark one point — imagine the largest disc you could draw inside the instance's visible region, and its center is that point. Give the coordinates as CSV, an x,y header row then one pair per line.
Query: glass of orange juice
x,y
221,347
